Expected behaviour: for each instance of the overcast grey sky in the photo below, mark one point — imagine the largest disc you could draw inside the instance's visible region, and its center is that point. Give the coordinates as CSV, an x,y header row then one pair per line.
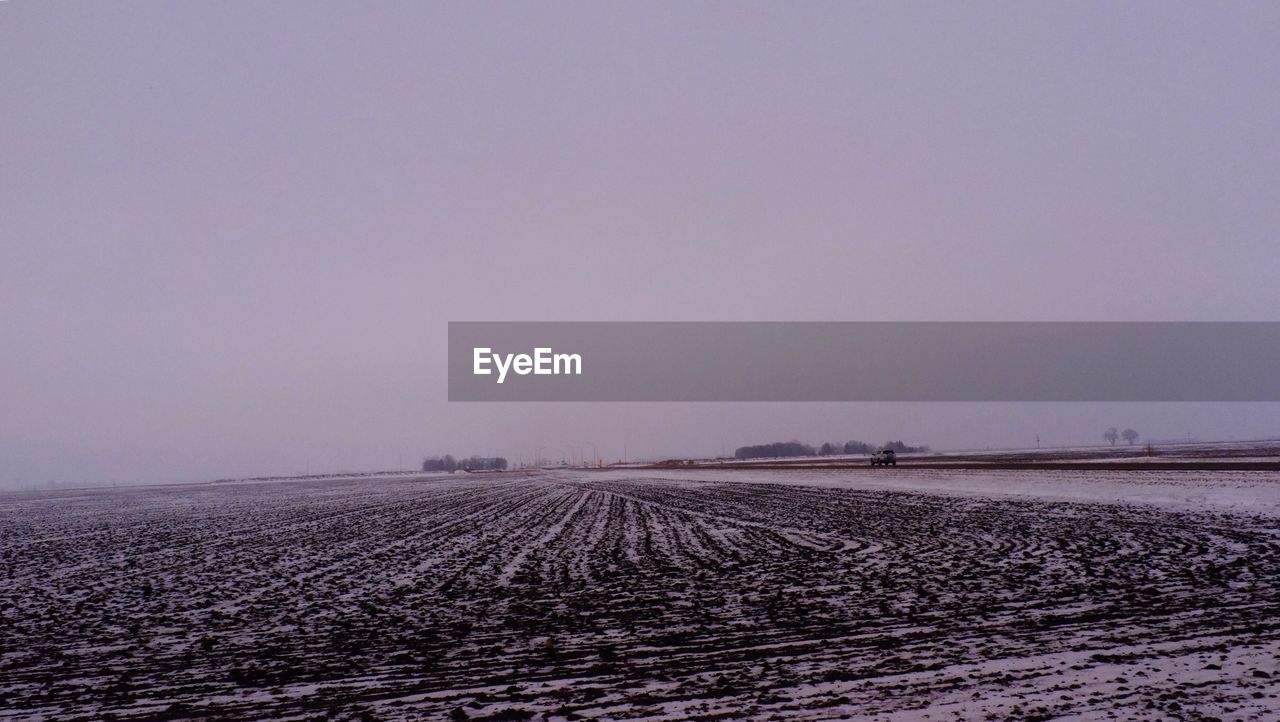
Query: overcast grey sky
x,y
232,233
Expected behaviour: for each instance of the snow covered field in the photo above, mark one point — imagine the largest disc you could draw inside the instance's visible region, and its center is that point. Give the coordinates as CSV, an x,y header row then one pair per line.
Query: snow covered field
x,y
900,594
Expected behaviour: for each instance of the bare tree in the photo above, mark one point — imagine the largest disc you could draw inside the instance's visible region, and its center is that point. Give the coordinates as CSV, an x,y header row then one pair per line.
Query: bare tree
x,y
1111,435
1129,435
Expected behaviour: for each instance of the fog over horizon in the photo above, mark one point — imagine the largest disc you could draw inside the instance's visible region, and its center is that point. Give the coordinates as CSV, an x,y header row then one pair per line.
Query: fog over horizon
x,y
232,235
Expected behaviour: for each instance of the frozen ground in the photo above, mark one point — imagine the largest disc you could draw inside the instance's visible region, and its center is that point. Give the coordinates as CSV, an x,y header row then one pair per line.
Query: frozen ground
x,y
700,594
1253,491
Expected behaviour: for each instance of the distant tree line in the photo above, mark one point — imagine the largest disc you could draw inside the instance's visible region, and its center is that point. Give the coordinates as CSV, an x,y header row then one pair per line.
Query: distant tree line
x,y
795,448
1112,434
781,448
902,448
474,463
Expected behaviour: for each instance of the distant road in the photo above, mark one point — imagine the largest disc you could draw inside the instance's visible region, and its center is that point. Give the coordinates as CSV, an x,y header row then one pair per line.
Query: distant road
x,y
1010,465
1225,456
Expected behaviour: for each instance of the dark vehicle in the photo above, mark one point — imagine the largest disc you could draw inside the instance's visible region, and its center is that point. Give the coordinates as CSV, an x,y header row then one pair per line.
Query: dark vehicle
x,y
884,457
